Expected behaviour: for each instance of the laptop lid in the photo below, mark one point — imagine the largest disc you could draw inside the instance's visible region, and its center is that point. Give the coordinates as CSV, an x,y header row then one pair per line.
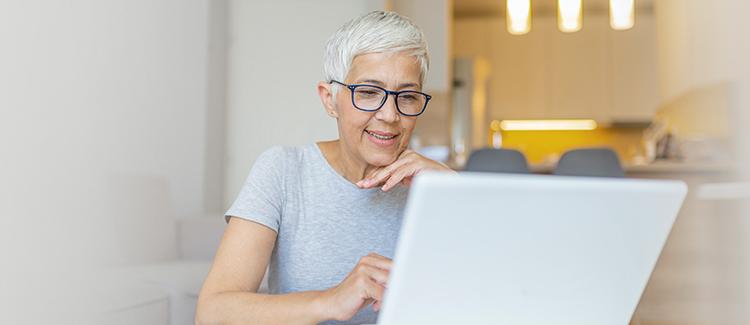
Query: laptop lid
x,y
521,249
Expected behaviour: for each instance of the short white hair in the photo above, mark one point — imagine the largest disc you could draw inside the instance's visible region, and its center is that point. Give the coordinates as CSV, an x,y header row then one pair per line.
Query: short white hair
x,y
375,32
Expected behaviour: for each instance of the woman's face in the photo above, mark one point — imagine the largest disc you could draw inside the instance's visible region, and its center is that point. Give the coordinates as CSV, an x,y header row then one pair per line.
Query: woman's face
x,y
377,138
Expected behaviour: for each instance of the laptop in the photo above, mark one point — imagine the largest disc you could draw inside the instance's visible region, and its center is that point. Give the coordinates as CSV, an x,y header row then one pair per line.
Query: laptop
x,y
522,249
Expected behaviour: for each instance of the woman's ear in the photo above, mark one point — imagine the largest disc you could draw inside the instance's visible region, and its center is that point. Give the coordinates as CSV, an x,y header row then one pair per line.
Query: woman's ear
x,y
325,91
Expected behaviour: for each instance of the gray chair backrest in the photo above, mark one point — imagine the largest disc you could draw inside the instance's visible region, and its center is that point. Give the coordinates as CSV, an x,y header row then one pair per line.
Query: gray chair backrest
x,y
593,162
497,161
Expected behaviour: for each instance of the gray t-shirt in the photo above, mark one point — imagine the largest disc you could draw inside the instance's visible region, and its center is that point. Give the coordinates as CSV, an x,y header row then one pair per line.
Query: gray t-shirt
x,y
324,222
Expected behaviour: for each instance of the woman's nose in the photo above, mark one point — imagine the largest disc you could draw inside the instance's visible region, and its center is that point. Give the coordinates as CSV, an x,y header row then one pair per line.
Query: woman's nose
x,y
388,113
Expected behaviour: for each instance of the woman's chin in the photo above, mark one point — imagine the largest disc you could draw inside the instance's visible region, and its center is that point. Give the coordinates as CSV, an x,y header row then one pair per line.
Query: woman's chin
x,y
381,159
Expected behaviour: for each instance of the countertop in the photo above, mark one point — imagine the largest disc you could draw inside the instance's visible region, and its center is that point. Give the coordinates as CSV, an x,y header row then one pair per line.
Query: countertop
x,y
659,166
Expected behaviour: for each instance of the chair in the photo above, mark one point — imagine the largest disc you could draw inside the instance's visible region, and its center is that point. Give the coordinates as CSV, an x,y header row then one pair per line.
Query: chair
x,y
497,161
592,162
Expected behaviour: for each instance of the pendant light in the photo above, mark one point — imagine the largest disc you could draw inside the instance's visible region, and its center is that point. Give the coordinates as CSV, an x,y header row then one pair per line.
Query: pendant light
x,y
621,14
518,16
569,15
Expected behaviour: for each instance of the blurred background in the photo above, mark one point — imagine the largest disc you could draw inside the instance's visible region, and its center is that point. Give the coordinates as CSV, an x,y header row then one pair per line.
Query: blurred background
x,y
128,127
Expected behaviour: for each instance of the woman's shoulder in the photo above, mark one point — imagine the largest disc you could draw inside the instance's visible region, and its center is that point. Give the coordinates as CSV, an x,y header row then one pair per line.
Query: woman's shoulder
x,y
286,156
289,151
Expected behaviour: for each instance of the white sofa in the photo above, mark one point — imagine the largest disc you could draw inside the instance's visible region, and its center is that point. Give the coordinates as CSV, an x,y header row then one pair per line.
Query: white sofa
x,y
165,292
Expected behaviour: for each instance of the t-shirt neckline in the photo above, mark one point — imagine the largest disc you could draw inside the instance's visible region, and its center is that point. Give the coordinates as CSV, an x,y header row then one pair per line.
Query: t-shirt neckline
x,y
336,174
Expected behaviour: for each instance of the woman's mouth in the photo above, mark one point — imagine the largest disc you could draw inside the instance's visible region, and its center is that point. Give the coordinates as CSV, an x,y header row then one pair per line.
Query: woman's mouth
x,y
383,139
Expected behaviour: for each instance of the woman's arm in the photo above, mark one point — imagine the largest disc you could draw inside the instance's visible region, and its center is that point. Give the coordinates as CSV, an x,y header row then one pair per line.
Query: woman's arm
x,y
229,294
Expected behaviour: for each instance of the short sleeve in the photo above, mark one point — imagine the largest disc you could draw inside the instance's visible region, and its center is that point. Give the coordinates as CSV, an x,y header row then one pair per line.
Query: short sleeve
x,y
262,196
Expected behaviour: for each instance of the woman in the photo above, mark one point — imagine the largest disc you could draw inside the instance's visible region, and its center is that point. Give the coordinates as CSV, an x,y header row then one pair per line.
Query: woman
x,y
326,216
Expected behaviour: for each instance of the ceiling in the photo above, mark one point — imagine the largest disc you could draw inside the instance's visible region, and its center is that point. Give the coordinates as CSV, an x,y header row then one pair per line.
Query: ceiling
x,y
497,7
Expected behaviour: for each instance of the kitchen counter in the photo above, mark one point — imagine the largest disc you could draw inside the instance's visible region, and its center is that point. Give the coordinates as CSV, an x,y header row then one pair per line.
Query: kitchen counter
x,y
724,191
659,166
667,166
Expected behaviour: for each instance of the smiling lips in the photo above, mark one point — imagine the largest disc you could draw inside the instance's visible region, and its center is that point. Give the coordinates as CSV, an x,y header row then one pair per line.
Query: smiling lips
x,y
381,138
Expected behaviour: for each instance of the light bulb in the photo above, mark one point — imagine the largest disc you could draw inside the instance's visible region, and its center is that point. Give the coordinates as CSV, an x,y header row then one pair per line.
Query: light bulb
x,y
621,14
569,15
518,16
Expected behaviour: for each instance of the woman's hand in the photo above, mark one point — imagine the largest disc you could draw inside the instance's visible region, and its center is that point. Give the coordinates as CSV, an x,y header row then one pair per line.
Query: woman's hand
x,y
364,285
408,165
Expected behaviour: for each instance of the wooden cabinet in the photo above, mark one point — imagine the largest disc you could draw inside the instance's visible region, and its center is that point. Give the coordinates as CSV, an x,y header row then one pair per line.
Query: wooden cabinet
x,y
519,72
471,37
595,73
576,65
634,71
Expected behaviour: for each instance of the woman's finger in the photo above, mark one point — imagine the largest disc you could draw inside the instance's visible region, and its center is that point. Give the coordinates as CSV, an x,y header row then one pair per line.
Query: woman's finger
x,y
381,175
378,261
363,182
373,172
399,175
373,254
374,291
377,305
376,274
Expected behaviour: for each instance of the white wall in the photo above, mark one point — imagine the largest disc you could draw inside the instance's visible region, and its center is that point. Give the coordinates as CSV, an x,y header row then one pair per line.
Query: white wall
x,y
103,137
696,44
275,62
702,43
435,18
216,107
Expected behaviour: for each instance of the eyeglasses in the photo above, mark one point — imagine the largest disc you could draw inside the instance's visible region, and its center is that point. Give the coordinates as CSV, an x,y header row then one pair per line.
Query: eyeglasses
x,y
370,98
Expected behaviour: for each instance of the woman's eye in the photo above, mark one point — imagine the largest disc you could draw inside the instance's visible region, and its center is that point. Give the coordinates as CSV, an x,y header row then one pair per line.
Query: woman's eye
x,y
367,93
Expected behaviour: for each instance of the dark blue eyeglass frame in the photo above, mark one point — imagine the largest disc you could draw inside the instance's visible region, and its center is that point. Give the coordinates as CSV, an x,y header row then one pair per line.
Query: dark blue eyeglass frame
x,y
393,93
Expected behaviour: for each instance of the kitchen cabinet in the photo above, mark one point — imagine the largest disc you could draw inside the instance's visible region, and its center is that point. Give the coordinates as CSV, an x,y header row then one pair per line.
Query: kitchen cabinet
x,y
633,70
519,72
472,37
577,70
598,73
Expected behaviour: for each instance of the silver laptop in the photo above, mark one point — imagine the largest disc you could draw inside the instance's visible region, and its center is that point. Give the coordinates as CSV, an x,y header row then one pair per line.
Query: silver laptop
x,y
503,249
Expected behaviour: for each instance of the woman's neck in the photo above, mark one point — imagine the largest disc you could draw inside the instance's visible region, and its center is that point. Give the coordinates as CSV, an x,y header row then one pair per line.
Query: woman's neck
x,y
343,162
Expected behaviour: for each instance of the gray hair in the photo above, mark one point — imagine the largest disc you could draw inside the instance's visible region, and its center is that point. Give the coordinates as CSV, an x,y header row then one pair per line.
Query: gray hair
x,y
375,32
